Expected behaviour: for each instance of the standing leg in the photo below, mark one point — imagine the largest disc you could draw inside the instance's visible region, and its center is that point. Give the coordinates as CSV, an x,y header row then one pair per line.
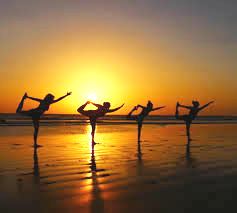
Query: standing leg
x,y
139,130
20,106
36,130
93,127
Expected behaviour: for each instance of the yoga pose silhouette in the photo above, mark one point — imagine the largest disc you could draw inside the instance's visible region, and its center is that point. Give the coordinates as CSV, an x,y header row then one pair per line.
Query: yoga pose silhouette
x,y
140,117
36,113
188,118
95,114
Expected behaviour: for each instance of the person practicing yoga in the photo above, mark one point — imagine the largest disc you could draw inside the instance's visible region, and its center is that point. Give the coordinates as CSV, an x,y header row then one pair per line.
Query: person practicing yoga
x,y
95,114
140,117
193,112
36,113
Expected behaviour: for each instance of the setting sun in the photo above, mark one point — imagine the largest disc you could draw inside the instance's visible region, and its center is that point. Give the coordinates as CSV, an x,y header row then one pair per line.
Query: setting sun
x,y
92,97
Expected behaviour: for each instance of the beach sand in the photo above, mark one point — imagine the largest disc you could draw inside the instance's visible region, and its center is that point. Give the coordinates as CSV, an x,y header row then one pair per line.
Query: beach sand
x,y
159,175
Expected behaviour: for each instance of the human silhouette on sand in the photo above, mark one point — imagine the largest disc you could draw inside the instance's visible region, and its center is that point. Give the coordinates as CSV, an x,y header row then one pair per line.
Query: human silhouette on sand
x,y
36,113
95,114
193,112
140,117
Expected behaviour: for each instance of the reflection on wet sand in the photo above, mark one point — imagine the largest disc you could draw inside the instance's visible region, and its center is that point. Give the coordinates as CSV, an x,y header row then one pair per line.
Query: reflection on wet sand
x,y
36,171
190,161
139,159
119,174
97,202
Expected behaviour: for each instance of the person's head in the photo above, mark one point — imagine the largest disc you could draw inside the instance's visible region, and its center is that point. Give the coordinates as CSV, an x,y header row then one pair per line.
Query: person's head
x,y
49,98
195,103
149,105
106,105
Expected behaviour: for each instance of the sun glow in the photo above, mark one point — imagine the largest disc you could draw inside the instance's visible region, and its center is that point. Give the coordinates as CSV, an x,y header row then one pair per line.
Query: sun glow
x,y
92,97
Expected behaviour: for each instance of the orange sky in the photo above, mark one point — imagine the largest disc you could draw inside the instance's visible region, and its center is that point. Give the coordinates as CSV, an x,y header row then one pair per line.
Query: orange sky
x,y
128,57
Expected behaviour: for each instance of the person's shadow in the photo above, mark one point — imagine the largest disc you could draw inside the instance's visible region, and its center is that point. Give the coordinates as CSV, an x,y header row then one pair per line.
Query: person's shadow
x,y
97,202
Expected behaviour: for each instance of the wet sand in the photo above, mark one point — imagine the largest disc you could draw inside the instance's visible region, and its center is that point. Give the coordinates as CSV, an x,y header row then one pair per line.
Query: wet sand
x,y
161,174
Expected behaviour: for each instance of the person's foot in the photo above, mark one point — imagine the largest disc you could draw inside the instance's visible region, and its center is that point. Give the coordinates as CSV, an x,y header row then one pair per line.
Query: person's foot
x,y
189,139
37,146
25,96
93,143
134,108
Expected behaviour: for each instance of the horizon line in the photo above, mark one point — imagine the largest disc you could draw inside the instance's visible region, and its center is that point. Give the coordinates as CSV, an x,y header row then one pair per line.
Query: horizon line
x,y
227,115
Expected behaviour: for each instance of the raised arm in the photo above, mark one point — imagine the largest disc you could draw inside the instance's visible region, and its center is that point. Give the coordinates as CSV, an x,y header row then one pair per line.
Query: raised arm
x,y
115,109
157,108
206,105
143,107
97,105
183,106
34,99
59,99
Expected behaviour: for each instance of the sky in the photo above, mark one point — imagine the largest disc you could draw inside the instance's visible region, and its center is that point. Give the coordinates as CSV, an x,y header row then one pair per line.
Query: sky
x,y
119,51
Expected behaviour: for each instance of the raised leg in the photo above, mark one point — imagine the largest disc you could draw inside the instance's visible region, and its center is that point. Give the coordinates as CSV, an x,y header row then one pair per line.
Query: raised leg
x,y
177,111
20,106
130,116
81,109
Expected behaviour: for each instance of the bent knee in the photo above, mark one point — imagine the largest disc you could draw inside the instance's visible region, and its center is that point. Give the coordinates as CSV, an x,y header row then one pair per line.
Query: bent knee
x,y
18,110
79,110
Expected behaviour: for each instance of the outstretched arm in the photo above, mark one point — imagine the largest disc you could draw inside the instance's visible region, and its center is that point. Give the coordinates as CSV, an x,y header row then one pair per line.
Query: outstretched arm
x,y
59,99
206,105
115,109
157,108
34,99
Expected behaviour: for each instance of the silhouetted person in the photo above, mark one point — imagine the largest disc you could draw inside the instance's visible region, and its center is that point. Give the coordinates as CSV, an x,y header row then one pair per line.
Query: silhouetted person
x,y
140,117
95,114
36,113
188,118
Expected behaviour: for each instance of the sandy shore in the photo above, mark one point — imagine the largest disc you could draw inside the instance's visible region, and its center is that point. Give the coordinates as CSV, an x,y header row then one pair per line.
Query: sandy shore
x,y
158,175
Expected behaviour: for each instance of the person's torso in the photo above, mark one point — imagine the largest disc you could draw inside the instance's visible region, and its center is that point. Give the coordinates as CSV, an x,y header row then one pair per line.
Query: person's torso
x,y
100,112
44,106
193,112
145,112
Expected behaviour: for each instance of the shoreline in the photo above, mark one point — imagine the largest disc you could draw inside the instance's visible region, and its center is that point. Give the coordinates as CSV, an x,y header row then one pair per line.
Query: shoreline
x,y
85,122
